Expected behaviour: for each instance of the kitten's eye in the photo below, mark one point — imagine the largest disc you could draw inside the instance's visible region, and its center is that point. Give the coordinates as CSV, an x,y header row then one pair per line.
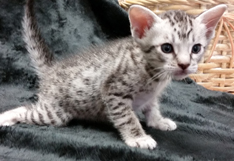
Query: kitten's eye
x,y
196,48
167,48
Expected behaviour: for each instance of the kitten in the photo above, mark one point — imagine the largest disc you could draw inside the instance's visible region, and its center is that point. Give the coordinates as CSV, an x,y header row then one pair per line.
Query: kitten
x,y
110,82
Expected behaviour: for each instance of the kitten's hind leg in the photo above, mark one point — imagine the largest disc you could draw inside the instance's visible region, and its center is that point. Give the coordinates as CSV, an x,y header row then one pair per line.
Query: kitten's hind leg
x,y
12,117
38,114
44,114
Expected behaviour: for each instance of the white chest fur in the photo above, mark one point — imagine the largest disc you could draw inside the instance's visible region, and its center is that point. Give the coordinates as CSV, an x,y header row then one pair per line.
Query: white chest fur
x,y
151,94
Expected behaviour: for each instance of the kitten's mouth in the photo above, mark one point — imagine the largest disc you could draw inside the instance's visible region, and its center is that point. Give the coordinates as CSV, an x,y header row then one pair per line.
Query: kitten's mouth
x,y
180,74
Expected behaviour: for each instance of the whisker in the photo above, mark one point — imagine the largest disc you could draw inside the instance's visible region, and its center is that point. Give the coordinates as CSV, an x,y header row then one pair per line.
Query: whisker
x,y
158,68
157,75
185,80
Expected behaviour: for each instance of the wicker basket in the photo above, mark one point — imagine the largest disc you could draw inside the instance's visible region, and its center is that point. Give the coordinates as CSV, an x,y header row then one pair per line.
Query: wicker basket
x,y
216,70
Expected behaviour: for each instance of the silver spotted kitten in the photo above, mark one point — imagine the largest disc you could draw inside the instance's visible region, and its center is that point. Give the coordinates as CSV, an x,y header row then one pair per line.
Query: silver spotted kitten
x,y
113,81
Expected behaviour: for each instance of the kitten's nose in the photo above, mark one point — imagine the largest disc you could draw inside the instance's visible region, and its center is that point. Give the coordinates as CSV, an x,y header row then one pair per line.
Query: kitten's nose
x,y
183,66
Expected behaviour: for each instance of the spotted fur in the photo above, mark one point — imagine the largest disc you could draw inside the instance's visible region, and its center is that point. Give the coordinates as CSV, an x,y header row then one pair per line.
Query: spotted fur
x,y
112,81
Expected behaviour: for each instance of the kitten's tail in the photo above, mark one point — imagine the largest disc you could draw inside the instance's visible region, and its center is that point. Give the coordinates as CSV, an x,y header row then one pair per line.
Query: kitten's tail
x,y
39,52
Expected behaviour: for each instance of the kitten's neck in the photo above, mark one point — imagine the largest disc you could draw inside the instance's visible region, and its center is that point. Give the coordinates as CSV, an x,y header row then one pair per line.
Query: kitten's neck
x,y
156,73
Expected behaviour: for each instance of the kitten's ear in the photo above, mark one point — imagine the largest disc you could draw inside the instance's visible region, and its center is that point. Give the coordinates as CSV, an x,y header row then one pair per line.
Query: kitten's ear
x,y
211,18
141,19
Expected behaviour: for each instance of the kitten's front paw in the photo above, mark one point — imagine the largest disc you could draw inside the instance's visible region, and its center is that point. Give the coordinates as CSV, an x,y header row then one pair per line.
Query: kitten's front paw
x,y
164,124
146,142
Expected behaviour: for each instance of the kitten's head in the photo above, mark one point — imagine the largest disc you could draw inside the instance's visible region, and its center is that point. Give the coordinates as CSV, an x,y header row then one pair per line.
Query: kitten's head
x,y
173,42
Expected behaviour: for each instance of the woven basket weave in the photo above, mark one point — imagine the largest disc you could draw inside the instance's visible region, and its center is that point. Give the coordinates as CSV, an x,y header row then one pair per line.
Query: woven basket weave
x,y
216,70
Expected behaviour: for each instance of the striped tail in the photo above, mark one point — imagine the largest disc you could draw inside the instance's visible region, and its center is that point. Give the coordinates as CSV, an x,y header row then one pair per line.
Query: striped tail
x,y
39,52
